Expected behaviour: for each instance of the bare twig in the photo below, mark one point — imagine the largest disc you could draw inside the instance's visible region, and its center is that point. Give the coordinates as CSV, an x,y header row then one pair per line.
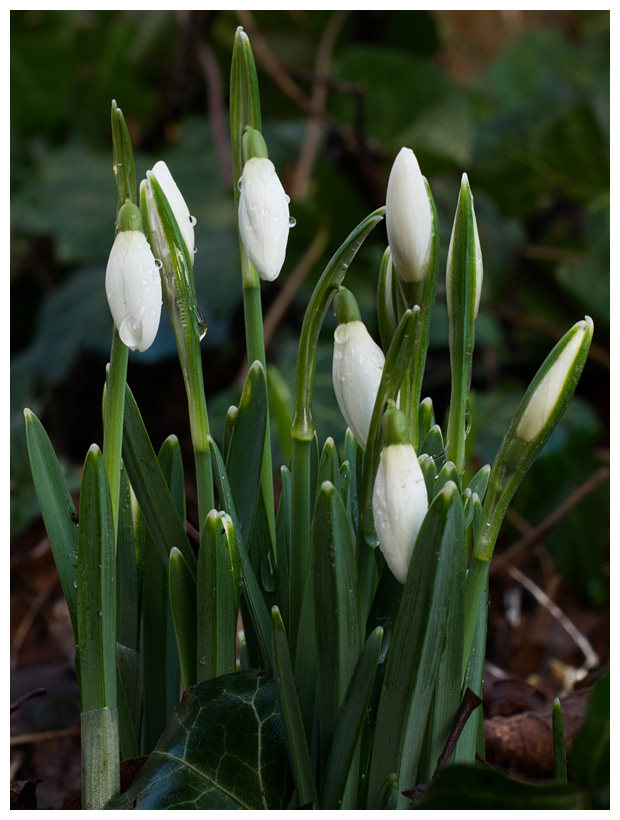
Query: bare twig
x,y
319,101
216,107
591,658
33,610
292,283
43,737
36,693
514,553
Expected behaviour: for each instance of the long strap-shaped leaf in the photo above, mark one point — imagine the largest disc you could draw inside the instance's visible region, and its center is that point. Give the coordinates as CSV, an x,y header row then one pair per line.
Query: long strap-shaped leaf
x,y
350,722
416,646
149,485
217,598
245,455
57,507
249,584
339,627
296,742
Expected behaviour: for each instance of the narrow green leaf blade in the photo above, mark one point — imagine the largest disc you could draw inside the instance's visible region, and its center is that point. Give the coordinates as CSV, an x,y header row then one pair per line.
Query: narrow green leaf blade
x,y
57,508
217,597
350,723
245,455
416,645
151,489
339,628
182,589
96,589
250,586
297,744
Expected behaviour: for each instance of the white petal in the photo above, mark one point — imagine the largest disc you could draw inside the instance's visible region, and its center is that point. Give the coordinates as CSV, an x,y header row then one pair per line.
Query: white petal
x,y
357,368
133,288
178,205
399,504
409,218
263,217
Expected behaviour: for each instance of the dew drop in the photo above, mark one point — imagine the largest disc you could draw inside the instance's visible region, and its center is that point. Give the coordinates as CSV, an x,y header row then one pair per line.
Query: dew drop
x,y
192,221
287,199
195,251
240,183
158,263
292,222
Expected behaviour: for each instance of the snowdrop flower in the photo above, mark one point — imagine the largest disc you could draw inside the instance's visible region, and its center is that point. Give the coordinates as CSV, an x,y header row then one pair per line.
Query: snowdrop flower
x,y
546,395
409,218
133,284
357,366
263,217
177,204
399,500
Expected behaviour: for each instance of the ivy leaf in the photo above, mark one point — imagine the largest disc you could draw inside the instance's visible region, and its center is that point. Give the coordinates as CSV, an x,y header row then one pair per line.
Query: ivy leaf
x,y
224,748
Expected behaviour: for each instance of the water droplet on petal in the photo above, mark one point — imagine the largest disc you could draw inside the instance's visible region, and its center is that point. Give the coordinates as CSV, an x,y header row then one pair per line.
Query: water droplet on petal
x,y
240,183
192,220
158,263
292,222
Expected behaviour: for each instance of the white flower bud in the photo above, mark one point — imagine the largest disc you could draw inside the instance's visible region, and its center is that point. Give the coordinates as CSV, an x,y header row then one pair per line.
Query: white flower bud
x,y
409,218
399,504
478,271
263,217
133,288
357,368
177,204
545,397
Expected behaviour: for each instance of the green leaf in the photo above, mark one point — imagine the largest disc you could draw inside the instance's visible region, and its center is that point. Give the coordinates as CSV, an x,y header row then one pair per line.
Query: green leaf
x,y
469,787
416,645
96,590
182,588
217,597
589,760
339,628
245,455
350,723
432,444
57,507
224,748
149,485
249,584
297,744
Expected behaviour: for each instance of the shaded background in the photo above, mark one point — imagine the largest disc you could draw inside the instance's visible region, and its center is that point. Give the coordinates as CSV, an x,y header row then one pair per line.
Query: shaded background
x,y
517,99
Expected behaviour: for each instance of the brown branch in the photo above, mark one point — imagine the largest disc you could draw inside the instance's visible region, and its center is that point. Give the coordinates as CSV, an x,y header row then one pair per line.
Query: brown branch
x,y
514,553
293,282
216,107
319,101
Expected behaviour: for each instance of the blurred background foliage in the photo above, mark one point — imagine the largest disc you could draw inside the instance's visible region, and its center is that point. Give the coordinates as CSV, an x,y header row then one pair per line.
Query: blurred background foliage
x,y
519,100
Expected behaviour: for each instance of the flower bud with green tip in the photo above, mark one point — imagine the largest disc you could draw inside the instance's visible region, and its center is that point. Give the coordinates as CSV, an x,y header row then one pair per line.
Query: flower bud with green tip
x,y
132,282
177,204
400,499
264,221
540,410
357,366
409,218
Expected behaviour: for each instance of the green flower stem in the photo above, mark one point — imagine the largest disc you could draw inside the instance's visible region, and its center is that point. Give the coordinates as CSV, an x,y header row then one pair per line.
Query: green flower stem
x,y
113,419
125,176
303,429
179,296
422,294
